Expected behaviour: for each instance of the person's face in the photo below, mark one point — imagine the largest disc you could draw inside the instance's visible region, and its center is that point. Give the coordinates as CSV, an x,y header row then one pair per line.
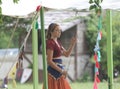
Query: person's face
x,y
57,32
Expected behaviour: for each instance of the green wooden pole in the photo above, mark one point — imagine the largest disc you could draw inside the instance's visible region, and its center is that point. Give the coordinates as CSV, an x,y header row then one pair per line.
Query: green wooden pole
x,y
109,49
43,48
35,56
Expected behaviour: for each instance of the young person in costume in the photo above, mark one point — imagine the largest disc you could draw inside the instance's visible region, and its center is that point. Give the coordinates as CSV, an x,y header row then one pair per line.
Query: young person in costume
x,y
56,72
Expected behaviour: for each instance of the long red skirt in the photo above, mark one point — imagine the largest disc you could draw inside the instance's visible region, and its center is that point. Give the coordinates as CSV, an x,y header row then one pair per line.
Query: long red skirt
x,y
60,83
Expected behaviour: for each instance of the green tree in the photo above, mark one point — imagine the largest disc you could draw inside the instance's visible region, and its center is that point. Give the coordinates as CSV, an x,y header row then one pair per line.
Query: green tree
x,y
8,26
91,35
14,1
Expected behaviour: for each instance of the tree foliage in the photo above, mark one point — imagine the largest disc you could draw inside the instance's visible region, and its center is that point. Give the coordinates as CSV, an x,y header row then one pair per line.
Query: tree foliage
x,y
6,31
91,35
95,4
14,1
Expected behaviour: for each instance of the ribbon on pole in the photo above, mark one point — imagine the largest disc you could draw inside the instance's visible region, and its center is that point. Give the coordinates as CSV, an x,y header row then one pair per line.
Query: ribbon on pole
x,y
97,54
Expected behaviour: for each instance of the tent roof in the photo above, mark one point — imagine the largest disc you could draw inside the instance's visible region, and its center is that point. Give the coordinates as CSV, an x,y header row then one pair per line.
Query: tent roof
x,y
24,7
66,19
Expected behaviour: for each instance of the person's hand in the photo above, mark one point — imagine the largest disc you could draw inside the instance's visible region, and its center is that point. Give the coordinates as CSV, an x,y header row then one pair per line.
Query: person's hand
x,y
64,73
73,40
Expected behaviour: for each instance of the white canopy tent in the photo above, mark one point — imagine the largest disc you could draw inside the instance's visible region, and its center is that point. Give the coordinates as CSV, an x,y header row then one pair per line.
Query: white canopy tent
x,y
25,7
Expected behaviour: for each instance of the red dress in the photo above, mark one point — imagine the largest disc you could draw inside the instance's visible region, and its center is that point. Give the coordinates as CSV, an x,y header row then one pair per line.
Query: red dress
x,y
60,81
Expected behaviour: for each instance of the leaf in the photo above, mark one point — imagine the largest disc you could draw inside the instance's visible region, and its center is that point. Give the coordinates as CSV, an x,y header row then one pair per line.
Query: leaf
x,y
90,1
0,15
15,1
98,10
92,7
97,2
0,1
101,0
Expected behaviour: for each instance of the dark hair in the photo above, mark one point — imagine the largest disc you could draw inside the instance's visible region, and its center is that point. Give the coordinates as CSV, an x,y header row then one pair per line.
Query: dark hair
x,y
51,28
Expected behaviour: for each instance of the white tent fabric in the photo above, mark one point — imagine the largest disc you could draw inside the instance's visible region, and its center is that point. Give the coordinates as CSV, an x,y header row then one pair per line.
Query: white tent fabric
x,y
79,4
24,7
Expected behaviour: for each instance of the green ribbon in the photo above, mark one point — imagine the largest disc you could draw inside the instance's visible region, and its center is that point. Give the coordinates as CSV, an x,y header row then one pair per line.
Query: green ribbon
x,y
100,22
36,25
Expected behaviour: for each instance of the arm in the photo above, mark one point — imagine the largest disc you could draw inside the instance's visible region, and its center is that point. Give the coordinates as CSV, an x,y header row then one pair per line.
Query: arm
x,y
69,50
50,62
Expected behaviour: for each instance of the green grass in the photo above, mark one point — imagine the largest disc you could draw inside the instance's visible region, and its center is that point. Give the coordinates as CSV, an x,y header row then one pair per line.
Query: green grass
x,y
103,85
77,85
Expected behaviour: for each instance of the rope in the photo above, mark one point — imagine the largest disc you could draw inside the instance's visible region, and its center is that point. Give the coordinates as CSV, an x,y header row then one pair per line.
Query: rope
x,y
25,40
3,59
69,62
21,48
36,15
9,42
68,65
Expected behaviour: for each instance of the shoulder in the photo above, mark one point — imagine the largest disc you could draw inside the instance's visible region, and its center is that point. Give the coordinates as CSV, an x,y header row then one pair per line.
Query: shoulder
x,y
50,44
50,41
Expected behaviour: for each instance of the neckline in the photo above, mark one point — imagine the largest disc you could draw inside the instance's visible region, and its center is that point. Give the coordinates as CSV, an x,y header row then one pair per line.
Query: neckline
x,y
57,43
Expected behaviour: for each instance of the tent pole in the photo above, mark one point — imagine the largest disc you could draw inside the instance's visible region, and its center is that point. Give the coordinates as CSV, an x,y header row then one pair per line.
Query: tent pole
x,y
109,49
43,48
35,56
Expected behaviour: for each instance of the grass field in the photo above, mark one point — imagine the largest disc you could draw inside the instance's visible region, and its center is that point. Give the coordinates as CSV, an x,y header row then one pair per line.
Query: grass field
x,y
103,85
77,85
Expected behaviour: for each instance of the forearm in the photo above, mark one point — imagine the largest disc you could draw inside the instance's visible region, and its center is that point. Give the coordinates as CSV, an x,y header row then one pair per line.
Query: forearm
x,y
54,66
72,44
69,50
